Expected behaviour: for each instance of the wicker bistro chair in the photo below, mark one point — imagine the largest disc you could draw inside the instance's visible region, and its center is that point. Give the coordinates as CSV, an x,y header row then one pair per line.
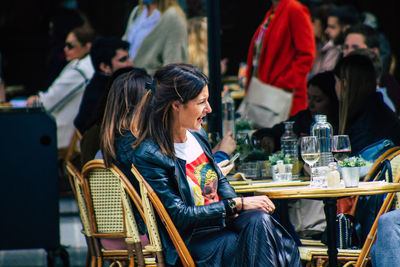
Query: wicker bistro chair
x,y
150,200
317,256
76,180
73,146
111,216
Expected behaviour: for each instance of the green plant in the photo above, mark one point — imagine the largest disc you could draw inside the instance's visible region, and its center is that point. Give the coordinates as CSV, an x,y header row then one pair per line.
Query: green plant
x,y
352,162
241,125
273,159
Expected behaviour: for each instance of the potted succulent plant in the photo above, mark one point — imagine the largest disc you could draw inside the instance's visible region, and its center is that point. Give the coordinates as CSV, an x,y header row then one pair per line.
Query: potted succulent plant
x,y
350,170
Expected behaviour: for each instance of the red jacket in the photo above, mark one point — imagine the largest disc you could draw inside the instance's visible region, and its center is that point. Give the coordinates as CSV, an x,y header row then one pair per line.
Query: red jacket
x,y
288,51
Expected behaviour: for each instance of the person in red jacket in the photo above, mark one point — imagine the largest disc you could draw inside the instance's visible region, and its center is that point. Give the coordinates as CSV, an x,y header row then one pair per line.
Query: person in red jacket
x,y
282,50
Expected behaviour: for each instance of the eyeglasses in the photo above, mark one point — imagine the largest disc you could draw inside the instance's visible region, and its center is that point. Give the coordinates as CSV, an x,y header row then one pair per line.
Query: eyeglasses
x,y
69,45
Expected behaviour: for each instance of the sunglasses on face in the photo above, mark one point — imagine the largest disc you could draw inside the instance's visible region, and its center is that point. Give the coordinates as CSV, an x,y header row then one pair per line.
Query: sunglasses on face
x,y
69,45
123,59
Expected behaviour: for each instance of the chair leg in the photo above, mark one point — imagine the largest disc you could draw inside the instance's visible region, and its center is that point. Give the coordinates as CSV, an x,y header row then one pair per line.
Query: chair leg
x,y
99,262
320,262
93,261
88,261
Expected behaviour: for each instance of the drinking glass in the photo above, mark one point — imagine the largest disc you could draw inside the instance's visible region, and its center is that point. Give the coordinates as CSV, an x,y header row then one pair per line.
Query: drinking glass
x,y
243,143
309,148
341,147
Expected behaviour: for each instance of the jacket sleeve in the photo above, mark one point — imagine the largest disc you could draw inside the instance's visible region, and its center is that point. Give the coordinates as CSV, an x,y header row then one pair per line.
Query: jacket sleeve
x,y
304,44
156,170
65,85
176,42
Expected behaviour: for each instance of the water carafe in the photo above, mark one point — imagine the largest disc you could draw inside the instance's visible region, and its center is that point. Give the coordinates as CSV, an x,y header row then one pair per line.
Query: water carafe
x,y
322,129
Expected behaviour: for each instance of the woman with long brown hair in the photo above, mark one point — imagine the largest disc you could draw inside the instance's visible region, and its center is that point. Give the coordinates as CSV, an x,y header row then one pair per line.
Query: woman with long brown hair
x,y
127,90
173,154
362,113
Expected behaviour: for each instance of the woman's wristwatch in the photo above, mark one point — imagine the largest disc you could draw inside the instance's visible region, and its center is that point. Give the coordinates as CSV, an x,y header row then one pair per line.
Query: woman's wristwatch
x,y
232,206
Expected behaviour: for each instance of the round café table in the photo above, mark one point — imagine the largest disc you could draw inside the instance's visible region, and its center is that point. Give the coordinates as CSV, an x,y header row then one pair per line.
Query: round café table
x,y
329,197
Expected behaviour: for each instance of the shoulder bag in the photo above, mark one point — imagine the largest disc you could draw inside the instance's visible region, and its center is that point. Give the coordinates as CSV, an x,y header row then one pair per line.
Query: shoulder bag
x,y
265,105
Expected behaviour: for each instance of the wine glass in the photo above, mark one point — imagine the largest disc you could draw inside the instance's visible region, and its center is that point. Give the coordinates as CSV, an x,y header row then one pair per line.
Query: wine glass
x,y
341,147
309,148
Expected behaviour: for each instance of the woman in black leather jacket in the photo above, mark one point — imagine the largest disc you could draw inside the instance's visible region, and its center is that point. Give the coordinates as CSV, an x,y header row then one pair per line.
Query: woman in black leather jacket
x,y
173,155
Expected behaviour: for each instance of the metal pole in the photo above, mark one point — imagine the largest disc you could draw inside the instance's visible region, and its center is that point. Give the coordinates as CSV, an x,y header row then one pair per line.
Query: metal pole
x,y
214,58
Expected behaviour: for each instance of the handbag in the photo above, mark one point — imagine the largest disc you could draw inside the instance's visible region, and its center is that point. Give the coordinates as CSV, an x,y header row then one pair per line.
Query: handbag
x,y
265,105
345,232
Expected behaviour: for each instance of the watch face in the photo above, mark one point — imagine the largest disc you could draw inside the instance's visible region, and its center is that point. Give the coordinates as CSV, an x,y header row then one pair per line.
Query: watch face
x,y
232,204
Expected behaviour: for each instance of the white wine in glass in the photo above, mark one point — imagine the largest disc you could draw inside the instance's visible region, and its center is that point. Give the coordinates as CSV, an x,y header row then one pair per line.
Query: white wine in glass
x,y
310,158
310,151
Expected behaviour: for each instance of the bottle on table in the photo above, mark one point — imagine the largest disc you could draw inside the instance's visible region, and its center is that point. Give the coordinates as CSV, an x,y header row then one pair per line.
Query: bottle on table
x,y
323,130
289,147
228,115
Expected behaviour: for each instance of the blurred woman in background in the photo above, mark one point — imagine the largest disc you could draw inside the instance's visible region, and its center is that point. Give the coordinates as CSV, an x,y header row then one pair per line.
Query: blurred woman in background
x,y
157,33
63,97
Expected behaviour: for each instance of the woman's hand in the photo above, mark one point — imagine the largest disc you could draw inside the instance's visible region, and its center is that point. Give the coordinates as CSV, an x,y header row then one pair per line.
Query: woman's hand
x,y
225,168
227,144
32,100
255,203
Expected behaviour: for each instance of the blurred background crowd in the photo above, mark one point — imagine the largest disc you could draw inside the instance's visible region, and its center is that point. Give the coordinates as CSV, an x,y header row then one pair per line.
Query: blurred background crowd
x,y
33,32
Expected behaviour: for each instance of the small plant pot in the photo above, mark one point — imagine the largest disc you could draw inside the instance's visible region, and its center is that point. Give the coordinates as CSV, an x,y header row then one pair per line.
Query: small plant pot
x,y
351,176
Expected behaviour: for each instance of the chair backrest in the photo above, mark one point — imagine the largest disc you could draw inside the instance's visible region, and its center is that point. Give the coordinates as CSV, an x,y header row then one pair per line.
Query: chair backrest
x,y
76,183
73,145
152,231
107,205
386,205
150,200
389,153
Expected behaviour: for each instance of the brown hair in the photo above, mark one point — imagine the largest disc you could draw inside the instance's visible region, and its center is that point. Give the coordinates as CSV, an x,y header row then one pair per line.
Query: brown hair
x,y
163,5
84,34
125,93
153,117
357,79
376,60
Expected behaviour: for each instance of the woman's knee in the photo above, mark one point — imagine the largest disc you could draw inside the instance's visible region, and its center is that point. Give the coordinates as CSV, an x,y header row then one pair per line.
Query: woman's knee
x,y
259,217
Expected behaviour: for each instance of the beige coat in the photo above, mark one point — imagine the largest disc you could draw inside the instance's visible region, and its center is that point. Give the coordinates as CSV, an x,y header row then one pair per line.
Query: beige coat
x,y
166,43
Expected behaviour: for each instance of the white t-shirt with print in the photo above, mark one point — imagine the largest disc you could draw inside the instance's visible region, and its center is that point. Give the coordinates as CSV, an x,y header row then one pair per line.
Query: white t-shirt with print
x,y
201,176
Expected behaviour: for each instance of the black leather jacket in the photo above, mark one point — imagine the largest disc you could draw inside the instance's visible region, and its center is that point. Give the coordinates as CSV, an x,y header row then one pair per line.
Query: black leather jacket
x,y
167,176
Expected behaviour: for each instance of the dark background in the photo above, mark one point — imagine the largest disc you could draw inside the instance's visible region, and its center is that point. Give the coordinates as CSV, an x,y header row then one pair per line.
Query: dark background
x,y
25,41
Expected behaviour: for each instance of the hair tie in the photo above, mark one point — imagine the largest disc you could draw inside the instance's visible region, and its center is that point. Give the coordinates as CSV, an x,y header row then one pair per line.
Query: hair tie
x,y
151,86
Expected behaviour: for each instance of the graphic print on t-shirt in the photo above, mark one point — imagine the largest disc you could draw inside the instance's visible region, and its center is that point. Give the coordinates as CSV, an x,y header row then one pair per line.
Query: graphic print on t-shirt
x,y
201,173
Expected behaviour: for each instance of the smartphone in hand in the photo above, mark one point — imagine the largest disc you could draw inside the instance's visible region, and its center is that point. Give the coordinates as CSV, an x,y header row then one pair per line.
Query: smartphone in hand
x,y
233,158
